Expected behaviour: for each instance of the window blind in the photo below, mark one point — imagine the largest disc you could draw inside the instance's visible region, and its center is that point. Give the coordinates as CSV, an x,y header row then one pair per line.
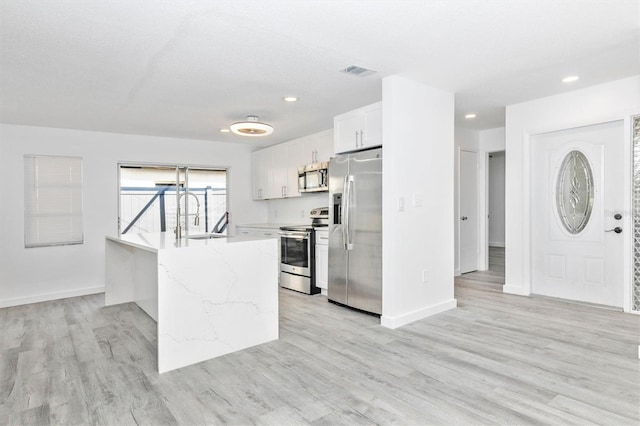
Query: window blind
x,y
52,200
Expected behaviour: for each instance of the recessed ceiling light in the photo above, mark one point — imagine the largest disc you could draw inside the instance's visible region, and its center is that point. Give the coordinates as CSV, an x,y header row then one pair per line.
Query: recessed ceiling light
x,y
290,99
224,130
570,79
470,116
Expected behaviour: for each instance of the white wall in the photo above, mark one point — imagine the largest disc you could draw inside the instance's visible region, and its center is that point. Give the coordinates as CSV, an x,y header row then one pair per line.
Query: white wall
x,y
616,100
464,140
295,210
418,161
496,199
46,273
490,140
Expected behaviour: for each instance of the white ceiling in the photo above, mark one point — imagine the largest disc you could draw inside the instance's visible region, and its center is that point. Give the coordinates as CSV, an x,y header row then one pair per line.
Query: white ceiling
x,y
188,68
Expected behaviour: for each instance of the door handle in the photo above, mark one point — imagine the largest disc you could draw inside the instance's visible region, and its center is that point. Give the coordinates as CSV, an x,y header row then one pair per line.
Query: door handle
x,y
617,230
464,218
346,207
343,210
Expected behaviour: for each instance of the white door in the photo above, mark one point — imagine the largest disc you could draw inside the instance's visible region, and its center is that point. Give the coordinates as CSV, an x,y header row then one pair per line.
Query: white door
x,y
569,262
468,219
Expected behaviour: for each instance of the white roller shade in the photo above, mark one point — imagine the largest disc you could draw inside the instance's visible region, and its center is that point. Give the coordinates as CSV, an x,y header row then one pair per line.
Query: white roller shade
x,y
52,200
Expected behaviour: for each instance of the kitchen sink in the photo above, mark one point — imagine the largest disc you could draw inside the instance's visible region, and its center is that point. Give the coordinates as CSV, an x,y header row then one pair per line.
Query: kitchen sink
x,y
206,236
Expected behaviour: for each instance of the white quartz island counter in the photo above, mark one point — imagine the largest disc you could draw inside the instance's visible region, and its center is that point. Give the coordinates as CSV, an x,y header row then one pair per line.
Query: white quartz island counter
x,y
209,297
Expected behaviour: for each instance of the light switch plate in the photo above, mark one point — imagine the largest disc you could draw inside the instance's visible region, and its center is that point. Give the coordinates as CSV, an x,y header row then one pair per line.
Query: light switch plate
x,y
418,200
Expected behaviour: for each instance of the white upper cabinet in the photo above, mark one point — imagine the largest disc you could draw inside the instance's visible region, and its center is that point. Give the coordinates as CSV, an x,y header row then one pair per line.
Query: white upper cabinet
x,y
358,129
275,169
317,148
279,170
260,167
294,159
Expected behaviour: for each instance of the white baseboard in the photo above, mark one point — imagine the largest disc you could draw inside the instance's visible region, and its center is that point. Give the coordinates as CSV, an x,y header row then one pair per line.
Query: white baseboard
x,y
496,244
5,303
399,321
520,291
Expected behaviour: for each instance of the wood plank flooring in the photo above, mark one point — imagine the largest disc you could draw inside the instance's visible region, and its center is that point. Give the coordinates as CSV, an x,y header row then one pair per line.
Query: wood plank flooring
x,y
496,359
490,280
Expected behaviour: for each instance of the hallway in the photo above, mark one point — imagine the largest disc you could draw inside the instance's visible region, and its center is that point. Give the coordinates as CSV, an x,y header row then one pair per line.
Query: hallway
x,y
492,279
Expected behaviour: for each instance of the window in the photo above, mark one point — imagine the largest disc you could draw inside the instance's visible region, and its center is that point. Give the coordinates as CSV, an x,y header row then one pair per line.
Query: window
x,y
150,196
52,201
574,192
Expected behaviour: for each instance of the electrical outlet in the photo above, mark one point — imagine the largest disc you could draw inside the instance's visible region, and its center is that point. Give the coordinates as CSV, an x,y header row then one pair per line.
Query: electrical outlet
x,y
400,204
425,276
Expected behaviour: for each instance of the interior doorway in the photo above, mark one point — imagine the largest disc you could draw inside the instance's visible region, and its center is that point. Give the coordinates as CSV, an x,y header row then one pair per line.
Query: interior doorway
x,y
496,212
468,207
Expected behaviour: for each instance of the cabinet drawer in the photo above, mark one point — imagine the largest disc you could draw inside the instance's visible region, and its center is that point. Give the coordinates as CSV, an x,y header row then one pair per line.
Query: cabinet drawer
x,y
322,237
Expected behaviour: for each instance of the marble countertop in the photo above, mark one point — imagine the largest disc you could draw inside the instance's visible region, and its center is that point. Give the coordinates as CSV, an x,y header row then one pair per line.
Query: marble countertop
x,y
269,225
209,297
155,241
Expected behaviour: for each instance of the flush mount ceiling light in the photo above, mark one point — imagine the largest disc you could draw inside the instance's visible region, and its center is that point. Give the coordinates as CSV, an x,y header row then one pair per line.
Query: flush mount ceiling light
x,y
470,116
290,99
251,127
224,130
570,79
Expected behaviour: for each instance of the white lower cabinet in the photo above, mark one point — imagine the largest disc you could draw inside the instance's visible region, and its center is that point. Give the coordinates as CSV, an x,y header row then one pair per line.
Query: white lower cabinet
x,y
322,260
257,232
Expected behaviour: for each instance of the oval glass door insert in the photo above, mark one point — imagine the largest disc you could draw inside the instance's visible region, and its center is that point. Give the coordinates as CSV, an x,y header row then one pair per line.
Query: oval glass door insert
x,y
574,192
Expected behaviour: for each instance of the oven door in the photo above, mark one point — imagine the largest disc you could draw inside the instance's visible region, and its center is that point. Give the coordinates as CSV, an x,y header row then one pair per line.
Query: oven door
x,y
295,252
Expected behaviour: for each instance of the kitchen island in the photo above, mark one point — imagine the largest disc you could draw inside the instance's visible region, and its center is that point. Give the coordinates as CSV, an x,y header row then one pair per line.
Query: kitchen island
x,y
209,296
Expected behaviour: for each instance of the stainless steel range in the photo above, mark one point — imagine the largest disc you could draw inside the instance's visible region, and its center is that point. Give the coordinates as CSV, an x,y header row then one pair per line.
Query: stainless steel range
x,y
297,253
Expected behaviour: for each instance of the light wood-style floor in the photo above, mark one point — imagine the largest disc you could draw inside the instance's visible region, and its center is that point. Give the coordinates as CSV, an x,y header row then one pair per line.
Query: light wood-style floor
x,y
496,359
490,280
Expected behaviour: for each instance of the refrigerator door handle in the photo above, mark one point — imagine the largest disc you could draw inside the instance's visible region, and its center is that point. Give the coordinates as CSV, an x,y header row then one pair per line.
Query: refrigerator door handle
x,y
348,244
343,211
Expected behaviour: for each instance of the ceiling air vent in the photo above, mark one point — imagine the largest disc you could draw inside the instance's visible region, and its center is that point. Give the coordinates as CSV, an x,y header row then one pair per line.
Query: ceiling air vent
x,y
359,71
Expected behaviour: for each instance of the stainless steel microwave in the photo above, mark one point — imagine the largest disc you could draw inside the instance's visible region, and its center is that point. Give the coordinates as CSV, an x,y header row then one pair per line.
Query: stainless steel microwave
x,y
313,177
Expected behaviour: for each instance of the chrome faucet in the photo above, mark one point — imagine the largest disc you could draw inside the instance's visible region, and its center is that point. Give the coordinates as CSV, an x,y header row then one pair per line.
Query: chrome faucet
x,y
196,221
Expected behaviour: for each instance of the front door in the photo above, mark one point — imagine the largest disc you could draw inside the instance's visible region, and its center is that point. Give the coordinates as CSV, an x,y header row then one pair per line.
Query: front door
x,y
577,199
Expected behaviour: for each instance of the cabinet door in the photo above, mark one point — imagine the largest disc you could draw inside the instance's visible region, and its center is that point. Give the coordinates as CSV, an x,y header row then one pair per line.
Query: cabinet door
x,y
260,174
241,230
323,143
346,131
307,150
372,126
279,165
322,266
296,157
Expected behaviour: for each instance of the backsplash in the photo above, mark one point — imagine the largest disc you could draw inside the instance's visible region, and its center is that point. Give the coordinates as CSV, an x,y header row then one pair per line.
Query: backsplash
x,y
295,210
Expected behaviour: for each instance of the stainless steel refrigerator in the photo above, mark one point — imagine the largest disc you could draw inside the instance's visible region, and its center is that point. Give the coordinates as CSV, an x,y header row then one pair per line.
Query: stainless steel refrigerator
x,y
355,230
